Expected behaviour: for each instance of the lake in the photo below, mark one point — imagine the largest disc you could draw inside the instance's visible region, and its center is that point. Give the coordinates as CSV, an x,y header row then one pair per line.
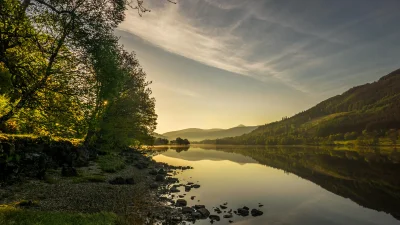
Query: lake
x,y
295,185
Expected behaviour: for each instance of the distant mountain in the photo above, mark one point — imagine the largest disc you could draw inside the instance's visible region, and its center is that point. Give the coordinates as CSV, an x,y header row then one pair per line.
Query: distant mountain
x,y
156,135
366,113
196,134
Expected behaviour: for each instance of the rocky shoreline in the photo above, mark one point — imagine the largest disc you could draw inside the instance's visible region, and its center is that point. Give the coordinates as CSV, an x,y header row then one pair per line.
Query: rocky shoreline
x,y
143,192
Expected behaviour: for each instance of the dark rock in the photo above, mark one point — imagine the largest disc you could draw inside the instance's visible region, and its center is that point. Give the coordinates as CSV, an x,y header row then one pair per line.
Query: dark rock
x,y
172,180
246,208
117,181
160,178
242,212
260,205
69,172
187,210
199,206
162,171
130,181
230,221
196,186
190,183
223,207
174,189
188,188
153,185
153,172
192,197
256,212
228,216
204,212
196,215
181,196
180,202
214,217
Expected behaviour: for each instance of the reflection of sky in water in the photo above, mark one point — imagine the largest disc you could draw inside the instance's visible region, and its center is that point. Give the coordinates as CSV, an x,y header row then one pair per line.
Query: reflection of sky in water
x,y
287,198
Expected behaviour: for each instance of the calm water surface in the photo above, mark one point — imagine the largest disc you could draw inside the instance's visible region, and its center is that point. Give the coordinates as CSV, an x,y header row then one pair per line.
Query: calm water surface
x,y
296,185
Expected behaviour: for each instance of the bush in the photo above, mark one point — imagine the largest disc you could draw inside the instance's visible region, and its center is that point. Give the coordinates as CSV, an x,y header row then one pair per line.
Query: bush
x,y
111,163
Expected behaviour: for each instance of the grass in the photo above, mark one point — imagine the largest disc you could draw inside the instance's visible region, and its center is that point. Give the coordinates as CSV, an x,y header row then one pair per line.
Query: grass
x,y
13,216
111,163
95,178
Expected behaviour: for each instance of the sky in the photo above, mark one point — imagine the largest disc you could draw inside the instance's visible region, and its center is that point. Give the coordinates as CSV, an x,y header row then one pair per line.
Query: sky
x,y
221,63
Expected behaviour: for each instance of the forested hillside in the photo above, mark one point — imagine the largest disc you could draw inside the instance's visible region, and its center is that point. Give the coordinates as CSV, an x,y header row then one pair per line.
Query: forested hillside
x,y
64,74
364,113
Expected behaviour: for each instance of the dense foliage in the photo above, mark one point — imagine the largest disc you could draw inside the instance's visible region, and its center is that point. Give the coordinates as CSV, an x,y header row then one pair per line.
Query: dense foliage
x,y
365,114
63,73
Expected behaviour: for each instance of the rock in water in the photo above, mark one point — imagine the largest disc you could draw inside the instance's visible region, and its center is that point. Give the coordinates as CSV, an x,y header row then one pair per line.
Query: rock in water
x,y
199,206
181,203
204,212
214,217
256,212
228,216
243,212
187,210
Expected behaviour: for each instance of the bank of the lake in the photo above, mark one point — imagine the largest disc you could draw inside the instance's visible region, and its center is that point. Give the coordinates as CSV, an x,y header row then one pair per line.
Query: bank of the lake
x,y
113,188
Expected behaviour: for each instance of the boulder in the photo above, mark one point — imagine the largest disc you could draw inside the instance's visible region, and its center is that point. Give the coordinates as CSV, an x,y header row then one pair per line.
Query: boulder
x,y
153,172
196,215
160,178
188,188
199,206
187,210
204,212
153,185
214,217
228,216
196,186
117,181
180,203
256,212
243,212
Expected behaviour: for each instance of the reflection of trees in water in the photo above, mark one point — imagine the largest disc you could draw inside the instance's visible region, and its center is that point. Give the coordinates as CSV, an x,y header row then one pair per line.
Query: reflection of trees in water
x,y
369,177
180,148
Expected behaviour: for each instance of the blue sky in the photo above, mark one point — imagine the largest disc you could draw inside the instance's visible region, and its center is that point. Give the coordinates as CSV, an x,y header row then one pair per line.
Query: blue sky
x,y
220,63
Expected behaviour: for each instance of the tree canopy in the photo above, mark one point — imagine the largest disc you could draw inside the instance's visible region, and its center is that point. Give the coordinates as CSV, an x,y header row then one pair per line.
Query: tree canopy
x,y
64,74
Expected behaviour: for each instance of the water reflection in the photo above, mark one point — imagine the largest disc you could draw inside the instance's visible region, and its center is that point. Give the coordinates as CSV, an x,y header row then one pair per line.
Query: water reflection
x,y
369,178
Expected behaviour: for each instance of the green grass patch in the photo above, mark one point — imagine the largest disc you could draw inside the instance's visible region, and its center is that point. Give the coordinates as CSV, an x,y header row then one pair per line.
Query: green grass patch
x,y
95,178
111,163
12,216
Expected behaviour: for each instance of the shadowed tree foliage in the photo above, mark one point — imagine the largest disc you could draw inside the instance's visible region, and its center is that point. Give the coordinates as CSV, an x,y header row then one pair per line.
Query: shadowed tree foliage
x,y
63,72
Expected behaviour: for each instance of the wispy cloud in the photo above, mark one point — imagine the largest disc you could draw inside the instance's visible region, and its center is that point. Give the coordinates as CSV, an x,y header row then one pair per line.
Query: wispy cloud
x,y
264,39
178,90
